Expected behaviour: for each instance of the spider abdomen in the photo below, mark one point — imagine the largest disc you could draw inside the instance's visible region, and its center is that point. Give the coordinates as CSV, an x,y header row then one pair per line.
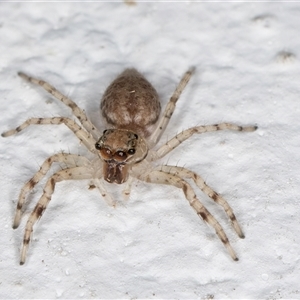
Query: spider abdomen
x,y
131,102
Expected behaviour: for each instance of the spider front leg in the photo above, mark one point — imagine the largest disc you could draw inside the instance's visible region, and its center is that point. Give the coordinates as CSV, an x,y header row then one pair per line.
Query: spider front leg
x,y
77,111
99,183
183,172
127,189
161,177
66,174
85,137
70,160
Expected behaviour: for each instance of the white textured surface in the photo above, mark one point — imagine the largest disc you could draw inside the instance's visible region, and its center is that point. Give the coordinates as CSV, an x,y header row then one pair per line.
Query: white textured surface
x,y
155,246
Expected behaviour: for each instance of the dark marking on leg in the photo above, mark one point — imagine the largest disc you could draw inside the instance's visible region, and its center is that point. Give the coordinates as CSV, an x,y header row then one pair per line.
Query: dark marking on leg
x,y
203,215
52,182
26,241
91,186
38,210
32,183
225,240
71,105
184,188
214,196
194,130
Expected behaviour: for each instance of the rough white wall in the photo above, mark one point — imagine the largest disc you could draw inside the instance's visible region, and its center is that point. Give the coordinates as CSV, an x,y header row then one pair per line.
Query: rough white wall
x,y
155,246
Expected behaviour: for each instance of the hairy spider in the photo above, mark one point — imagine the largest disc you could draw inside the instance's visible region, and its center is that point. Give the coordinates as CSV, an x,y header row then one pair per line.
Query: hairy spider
x,y
131,107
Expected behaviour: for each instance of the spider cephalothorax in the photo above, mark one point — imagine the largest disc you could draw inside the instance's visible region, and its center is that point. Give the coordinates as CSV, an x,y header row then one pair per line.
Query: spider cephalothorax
x,y
119,149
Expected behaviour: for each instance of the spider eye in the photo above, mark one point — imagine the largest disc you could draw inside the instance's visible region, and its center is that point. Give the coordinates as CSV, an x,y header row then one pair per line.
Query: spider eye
x,y
121,153
97,146
131,151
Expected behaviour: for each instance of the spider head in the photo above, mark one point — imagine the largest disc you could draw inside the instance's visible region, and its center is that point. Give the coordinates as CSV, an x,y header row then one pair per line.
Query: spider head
x,y
120,148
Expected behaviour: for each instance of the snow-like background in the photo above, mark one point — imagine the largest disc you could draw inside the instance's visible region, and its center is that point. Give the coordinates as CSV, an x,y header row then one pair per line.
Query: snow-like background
x,y
155,246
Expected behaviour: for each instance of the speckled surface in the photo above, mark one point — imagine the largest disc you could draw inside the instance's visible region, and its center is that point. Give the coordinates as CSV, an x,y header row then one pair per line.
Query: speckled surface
x,y
154,246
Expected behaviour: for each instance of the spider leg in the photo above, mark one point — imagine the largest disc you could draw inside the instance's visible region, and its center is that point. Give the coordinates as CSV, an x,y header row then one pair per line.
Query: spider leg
x,y
77,111
161,177
106,195
185,134
66,174
167,114
71,160
85,137
127,189
183,172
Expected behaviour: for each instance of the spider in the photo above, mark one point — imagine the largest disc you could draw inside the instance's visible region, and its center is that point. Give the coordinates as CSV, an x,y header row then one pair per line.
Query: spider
x,y
125,151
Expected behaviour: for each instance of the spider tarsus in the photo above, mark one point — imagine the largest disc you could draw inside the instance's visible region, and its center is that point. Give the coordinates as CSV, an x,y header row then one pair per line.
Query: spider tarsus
x,y
234,257
241,234
24,251
16,222
8,133
252,128
191,70
23,75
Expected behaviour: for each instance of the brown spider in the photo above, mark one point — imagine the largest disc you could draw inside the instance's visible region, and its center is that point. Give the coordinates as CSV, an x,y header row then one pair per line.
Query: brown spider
x,y
125,151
